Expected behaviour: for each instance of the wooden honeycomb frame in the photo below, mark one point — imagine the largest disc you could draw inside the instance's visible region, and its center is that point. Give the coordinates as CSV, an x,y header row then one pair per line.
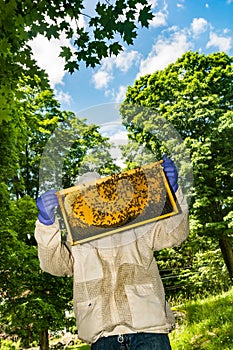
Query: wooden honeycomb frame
x,y
115,203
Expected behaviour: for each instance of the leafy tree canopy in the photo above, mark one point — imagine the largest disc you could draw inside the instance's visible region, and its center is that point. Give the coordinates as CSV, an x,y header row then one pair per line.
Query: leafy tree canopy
x,y
195,95
107,27
34,301
192,98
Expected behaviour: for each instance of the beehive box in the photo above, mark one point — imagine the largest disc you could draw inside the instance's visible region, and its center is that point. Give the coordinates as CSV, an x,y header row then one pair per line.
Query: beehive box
x,y
115,203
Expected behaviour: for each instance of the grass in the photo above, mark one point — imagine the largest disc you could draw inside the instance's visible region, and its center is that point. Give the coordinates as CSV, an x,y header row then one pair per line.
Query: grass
x,y
205,324
79,347
202,324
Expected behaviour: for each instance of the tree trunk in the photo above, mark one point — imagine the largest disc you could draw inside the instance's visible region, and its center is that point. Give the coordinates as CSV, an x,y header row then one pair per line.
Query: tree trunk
x,y
227,252
44,339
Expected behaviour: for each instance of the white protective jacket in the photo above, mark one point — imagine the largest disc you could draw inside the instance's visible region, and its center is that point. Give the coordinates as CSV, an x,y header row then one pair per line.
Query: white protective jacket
x,y
117,286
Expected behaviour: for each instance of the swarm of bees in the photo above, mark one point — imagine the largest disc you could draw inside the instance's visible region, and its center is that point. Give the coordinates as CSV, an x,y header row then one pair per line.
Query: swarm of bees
x,y
114,200
116,203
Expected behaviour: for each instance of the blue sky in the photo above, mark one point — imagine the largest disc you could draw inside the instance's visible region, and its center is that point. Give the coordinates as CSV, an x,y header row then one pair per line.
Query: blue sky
x,y
178,26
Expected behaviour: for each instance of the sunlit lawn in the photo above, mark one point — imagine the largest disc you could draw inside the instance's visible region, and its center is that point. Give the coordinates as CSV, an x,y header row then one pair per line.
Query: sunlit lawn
x,y
203,324
207,324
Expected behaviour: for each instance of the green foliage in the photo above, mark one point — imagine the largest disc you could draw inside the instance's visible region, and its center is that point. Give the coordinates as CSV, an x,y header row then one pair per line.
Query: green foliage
x,y
39,115
79,347
186,109
136,155
200,324
99,159
193,270
206,324
107,27
31,299
74,148
9,345
39,132
34,301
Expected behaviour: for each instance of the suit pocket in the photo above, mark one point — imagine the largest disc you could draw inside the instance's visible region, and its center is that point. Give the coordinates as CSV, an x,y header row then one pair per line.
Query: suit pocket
x,y
146,309
89,318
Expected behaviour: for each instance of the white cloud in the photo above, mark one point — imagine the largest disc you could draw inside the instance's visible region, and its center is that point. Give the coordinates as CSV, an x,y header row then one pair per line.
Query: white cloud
x,y
116,94
46,53
159,19
63,97
73,23
101,79
199,26
221,42
165,51
121,94
123,62
77,22
180,6
153,3
118,136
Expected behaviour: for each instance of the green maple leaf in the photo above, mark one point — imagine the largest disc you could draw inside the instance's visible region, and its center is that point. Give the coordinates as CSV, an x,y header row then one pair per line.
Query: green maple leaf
x,y
115,48
53,31
100,8
127,30
71,66
145,16
66,52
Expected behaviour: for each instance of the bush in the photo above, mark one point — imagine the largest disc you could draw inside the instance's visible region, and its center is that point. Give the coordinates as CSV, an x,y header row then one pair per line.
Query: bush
x,y
9,345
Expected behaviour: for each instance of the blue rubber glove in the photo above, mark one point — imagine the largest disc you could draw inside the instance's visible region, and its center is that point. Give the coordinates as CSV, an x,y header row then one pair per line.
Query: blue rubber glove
x,y
46,204
171,172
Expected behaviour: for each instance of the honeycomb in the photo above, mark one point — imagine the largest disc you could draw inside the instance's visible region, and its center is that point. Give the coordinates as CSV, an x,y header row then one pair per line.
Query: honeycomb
x,y
131,197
